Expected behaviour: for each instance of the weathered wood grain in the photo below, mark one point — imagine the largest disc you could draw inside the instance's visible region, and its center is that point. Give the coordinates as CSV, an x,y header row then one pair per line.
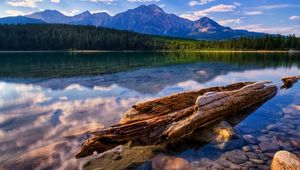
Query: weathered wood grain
x,y
288,82
171,118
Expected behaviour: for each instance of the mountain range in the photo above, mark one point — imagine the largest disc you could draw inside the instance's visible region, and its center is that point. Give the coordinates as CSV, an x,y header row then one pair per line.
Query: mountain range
x,y
149,19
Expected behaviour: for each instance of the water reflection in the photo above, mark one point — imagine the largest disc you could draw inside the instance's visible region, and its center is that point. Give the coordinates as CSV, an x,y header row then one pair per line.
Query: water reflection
x,y
48,100
63,64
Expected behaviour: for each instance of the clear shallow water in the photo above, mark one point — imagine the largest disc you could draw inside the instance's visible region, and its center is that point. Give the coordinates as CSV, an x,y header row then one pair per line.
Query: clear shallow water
x,y
48,100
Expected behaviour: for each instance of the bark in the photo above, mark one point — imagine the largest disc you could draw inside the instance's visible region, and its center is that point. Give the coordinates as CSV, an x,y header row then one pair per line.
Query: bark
x,y
288,82
171,118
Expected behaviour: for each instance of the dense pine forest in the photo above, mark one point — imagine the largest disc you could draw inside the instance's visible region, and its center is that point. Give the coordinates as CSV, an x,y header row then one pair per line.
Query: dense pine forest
x,y
71,37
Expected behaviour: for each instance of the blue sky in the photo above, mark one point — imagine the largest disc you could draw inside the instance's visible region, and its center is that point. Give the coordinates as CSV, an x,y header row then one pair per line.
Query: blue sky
x,y
271,16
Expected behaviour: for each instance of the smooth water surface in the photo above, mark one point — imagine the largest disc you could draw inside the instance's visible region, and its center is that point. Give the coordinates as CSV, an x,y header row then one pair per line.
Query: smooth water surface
x,y
49,100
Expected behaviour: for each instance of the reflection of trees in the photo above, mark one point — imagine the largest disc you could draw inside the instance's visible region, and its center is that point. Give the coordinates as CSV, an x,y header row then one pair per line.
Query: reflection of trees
x,y
80,64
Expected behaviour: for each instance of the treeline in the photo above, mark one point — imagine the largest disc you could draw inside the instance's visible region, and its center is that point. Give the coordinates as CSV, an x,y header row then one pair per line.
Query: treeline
x,y
70,37
267,42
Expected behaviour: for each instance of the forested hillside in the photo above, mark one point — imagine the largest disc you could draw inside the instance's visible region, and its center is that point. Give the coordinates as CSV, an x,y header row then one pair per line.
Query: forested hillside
x,y
70,37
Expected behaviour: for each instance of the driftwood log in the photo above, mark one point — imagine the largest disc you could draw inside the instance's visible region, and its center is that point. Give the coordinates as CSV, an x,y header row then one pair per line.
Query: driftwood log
x,y
171,118
289,81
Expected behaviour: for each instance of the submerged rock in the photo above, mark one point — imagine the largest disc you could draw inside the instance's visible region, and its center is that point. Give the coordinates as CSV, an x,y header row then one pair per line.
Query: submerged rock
x,y
124,157
236,156
222,163
166,162
270,155
252,155
246,148
269,146
284,160
264,139
250,139
257,161
201,164
277,128
295,143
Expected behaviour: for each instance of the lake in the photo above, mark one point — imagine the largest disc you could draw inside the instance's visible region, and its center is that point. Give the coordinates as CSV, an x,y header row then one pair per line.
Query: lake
x,y
48,100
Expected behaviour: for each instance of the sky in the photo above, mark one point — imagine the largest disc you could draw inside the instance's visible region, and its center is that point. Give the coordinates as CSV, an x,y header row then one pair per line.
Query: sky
x,y
270,16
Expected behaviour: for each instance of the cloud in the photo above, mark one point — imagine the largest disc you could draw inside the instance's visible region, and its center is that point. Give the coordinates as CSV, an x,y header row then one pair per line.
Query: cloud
x,y
98,11
23,3
143,0
15,95
276,6
253,13
200,2
272,30
75,87
225,22
251,75
294,17
237,4
214,9
70,13
189,16
162,5
55,1
14,13
104,1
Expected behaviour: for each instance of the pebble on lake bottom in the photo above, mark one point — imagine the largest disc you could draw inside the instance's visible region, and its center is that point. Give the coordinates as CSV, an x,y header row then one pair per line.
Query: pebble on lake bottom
x,y
250,139
246,148
167,162
236,156
269,146
202,163
295,143
257,161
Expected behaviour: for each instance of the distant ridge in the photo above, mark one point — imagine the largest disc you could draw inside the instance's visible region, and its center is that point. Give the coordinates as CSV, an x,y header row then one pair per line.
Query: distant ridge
x,y
147,19
20,20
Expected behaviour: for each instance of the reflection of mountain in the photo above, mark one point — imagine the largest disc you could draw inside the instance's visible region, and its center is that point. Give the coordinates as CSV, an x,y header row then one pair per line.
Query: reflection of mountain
x,y
60,69
150,80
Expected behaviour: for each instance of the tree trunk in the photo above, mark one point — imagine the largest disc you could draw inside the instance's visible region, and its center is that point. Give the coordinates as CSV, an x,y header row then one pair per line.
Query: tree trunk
x,y
171,118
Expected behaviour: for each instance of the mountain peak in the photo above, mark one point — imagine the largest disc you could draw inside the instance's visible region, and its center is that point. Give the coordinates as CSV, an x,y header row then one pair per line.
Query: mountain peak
x,y
150,8
153,6
86,13
83,14
205,22
105,14
50,16
49,11
206,19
